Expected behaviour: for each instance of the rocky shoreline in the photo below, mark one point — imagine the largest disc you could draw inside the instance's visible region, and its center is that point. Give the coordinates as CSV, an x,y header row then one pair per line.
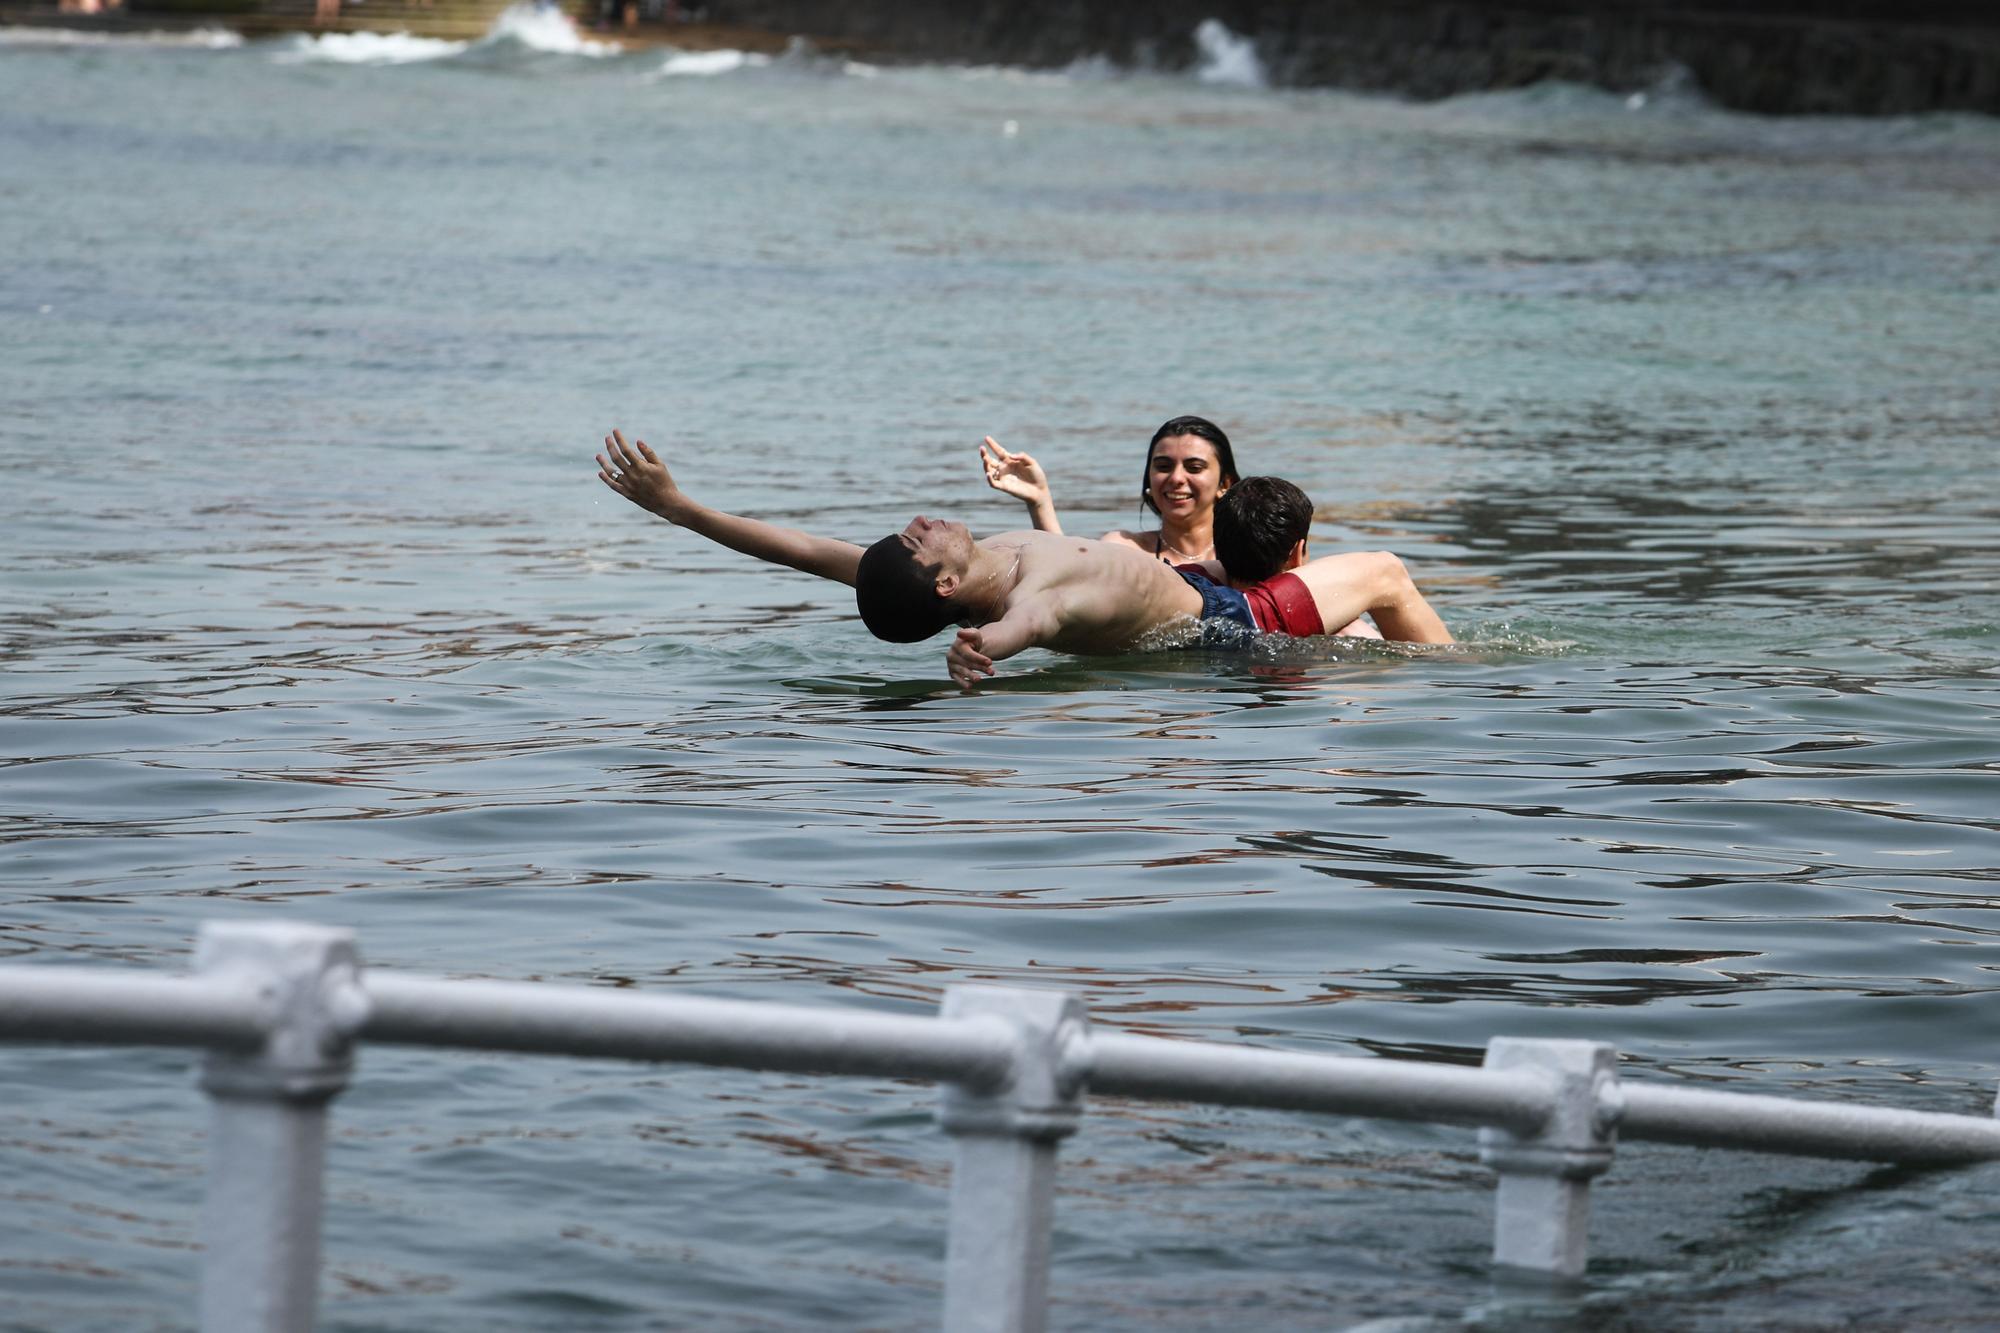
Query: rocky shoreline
x,y
448,19
1867,57
1852,57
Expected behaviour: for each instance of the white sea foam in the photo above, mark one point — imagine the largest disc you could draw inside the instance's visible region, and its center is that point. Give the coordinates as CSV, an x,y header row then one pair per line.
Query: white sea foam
x,y
707,64
1013,74
365,48
802,56
1227,58
519,27
200,39
1093,69
544,28
799,56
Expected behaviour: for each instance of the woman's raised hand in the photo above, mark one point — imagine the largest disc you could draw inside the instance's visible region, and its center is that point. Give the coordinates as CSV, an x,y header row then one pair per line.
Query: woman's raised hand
x,y
1021,477
636,472
1017,475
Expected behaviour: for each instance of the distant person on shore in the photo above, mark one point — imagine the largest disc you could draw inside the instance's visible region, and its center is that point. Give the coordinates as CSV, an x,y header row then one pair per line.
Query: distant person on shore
x,y
1189,466
1014,591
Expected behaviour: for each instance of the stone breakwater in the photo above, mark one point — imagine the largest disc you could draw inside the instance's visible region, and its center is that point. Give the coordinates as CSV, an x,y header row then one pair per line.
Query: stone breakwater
x,y
1869,57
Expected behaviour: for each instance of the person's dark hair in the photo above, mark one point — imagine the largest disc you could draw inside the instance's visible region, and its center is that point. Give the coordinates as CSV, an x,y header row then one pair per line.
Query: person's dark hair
x,y
897,597
1199,427
1257,523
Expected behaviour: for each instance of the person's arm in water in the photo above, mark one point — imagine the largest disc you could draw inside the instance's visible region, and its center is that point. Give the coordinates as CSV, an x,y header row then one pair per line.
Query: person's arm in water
x,y
1085,608
1029,623
636,472
1021,477
1344,586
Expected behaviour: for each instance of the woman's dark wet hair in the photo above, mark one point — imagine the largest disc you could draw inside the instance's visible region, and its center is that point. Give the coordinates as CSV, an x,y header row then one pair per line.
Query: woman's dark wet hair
x,y
1257,523
897,596
1199,427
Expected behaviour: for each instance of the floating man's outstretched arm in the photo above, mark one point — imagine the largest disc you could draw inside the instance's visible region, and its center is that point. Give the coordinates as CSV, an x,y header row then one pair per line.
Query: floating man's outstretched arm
x,y
1030,623
636,472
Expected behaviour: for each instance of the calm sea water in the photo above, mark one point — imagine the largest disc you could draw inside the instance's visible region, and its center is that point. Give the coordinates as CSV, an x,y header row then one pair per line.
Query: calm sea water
x,y
311,609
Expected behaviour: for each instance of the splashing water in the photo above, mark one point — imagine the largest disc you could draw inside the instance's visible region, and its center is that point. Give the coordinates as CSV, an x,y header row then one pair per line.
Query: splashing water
x,y
366,48
1227,58
545,28
532,27
710,63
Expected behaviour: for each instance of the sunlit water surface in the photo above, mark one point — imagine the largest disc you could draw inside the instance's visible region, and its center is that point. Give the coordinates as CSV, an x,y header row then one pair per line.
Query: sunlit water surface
x,y
311,609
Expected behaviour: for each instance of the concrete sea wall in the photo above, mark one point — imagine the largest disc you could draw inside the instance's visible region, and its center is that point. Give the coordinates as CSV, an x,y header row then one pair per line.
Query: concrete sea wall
x,y
1839,56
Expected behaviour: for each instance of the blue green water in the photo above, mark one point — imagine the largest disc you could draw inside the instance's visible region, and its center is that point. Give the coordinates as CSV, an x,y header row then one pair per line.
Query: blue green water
x,y
311,608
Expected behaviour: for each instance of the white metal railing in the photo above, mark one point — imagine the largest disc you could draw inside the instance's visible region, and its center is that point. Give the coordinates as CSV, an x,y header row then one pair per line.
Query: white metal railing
x,y
279,1007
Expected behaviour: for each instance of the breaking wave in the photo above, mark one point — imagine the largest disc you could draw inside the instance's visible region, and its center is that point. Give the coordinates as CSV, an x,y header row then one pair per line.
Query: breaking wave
x,y
546,29
800,56
707,64
365,48
519,27
1226,58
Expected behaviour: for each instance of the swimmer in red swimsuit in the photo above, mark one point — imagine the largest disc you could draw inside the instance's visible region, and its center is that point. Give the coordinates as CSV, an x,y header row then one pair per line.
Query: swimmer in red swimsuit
x,y
1261,527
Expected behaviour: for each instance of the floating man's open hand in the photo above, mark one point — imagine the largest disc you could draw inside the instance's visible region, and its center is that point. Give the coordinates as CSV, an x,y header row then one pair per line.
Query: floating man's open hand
x,y
964,660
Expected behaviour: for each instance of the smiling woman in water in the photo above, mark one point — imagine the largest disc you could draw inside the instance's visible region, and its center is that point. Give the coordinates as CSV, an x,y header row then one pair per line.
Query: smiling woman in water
x,y
1189,464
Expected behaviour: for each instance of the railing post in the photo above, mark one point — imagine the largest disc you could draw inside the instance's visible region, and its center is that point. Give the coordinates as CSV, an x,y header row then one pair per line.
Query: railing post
x,y
267,1123
1542,1209
1003,1162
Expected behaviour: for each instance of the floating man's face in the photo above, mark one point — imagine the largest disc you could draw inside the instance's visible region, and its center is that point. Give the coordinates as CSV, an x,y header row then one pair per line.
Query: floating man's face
x,y
940,545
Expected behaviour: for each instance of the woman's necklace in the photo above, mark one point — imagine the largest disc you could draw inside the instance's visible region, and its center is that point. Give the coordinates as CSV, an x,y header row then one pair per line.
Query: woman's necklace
x,y
1161,549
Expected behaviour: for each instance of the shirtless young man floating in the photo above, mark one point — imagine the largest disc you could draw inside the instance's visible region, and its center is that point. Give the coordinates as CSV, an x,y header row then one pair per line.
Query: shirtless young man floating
x,y
1013,591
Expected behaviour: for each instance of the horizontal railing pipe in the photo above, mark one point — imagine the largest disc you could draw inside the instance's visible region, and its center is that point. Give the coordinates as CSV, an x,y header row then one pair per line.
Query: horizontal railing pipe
x,y
1156,1067
279,1006
1754,1122
130,1008
745,1034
